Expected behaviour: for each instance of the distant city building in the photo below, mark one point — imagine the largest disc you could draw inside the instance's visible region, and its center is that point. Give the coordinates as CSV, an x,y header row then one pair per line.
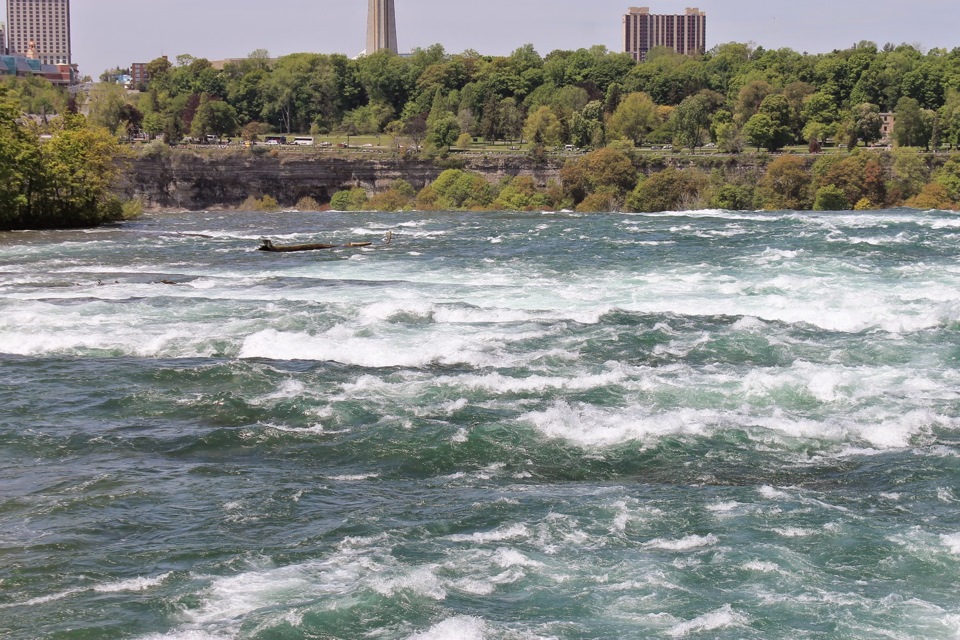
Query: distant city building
x,y
3,40
642,31
24,67
43,23
886,129
382,26
138,74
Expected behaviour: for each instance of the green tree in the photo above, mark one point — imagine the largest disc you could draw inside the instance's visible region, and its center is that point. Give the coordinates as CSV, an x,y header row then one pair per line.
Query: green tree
x,y
867,123
200,127
786,184
353,199
444,131
909,128
761,132
105,105
613,98
692,120
456,189
18,154
543,127
606,170
777,108
948,176
830,198
668,190
749,99
587,128
520,194
634,118
950,118
64,181
819,107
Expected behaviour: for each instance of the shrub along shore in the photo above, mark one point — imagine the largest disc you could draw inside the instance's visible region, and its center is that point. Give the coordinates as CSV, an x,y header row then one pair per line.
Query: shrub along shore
x,y
611,179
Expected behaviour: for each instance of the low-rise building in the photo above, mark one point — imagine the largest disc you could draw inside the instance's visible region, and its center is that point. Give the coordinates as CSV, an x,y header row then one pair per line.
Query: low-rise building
x,y
139,77
886,129
24,67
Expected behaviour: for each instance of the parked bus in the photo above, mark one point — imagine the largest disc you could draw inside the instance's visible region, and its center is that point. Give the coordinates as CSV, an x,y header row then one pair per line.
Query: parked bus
x,y
303,142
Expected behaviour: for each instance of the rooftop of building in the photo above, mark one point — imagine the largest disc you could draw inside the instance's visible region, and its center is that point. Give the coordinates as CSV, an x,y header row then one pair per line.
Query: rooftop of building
x,y
690,11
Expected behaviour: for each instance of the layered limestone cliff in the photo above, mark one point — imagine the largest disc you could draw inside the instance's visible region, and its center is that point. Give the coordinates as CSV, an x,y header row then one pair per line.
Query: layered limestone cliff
x,y
204,179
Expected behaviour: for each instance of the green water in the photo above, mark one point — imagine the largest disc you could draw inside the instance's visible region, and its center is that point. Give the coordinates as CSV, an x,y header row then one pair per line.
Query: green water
x,y
500,426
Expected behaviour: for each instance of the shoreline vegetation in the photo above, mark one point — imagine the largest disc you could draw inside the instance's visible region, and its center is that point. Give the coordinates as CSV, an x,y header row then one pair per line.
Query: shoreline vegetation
x,y
58,175
740,127
626,180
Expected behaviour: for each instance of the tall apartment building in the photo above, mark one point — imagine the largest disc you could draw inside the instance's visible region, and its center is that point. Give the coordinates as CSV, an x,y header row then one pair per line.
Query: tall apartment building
x,y
642,31
3,39
382,26
43,23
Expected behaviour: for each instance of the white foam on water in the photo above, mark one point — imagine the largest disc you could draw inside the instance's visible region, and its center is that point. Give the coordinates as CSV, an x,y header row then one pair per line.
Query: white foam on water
x,y
723,618
344,346
360,477
759,566
54,597
389,309
456,628
591,426
189,634
288,389
688,543
952,542
422,581
771,493
897,432
134,584
794,532
511,532
508,558
723,507
501,384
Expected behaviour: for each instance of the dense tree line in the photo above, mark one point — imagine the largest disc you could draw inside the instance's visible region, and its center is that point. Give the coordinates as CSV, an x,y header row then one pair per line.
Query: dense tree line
x,y
55,174
735,96
609,180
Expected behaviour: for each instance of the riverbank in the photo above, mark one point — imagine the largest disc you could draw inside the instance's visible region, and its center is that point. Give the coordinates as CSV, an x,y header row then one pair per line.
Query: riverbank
x,y
608,179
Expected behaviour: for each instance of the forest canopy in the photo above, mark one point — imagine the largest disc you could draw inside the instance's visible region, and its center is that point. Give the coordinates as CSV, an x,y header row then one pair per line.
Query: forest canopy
x,y
735,96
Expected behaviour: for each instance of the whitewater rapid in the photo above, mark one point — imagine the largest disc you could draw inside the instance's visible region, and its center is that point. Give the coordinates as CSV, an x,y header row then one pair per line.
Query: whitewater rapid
x,y
549,425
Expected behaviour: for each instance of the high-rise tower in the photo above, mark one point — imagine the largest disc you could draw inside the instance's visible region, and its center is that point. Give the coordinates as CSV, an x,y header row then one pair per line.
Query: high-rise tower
x,y
382,26
45,23
685,33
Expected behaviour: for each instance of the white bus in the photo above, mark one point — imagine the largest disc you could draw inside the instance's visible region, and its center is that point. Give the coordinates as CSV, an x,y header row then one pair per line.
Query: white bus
x,y
303,142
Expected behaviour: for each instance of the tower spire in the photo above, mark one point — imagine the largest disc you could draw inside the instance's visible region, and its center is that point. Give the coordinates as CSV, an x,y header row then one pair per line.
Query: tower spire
x,y
382,26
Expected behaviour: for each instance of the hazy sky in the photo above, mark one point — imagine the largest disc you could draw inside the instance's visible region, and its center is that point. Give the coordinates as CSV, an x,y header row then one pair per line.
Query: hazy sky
x,y
107,33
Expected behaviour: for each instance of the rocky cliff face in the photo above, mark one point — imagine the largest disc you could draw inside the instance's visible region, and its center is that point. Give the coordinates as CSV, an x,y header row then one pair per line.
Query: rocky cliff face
x,y
187,179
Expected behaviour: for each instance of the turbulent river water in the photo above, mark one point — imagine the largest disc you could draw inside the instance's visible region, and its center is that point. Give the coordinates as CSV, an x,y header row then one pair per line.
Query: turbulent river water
x,y
500,426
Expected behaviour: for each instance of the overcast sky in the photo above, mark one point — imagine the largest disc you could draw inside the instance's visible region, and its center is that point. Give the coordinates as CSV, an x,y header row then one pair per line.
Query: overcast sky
x,y
107,33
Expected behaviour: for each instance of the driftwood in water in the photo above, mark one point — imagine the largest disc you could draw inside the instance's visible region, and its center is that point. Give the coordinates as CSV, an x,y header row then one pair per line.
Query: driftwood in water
x,y
292,248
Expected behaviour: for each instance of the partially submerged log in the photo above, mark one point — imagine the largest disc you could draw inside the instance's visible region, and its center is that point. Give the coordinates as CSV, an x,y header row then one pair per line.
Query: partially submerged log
x,y
292,248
